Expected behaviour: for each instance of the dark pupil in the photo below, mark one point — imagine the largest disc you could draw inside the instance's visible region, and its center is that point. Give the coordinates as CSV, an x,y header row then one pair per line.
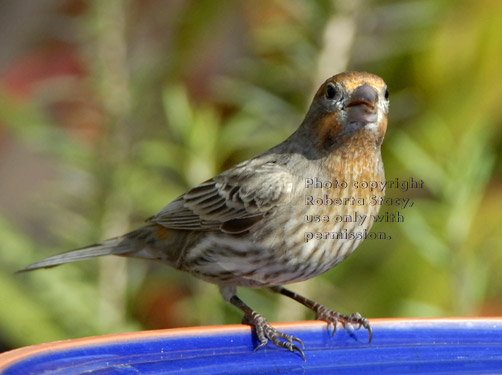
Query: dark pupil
x,y
330,92
386,94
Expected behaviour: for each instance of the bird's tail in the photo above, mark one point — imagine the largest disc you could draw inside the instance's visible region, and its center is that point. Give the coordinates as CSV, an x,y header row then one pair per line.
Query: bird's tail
x,y
129,244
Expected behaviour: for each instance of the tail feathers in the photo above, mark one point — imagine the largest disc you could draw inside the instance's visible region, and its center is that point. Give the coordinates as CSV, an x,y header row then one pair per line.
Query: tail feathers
x,y
115,246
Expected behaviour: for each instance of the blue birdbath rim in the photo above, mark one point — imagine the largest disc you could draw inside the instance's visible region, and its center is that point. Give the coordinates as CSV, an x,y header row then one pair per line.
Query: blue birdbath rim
x,y
426,346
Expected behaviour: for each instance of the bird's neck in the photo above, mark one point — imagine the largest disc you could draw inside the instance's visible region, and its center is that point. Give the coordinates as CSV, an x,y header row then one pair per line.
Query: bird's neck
x,y
356,160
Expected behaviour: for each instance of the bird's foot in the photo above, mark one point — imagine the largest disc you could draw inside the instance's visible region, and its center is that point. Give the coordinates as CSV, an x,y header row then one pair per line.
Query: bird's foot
x,y
333,318
266,333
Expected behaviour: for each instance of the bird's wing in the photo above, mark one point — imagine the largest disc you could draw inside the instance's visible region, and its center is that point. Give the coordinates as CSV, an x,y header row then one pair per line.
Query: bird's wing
x,y
233,201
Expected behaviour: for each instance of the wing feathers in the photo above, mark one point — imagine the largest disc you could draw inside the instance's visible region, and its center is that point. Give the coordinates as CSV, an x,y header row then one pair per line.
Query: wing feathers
x,y
233,201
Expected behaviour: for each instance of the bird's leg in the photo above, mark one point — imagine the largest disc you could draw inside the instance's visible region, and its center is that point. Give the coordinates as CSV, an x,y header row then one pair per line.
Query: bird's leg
x,y
265,331
325,314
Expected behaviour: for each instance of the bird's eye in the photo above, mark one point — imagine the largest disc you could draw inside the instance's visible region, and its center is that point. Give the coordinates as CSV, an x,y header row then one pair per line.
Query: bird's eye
x,y
386,94
330,91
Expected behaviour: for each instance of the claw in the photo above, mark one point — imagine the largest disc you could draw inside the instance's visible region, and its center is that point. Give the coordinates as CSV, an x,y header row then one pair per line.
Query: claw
x,y
370,333
299,341
363,322
333,318
266,333
281,344
294,347
334,328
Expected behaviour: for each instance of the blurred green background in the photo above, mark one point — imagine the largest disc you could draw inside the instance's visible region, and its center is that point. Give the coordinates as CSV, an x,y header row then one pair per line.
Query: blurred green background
x,y
111,109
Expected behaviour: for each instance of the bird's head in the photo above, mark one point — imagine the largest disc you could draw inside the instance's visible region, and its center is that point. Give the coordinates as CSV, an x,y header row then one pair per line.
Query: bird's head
x,y
349,107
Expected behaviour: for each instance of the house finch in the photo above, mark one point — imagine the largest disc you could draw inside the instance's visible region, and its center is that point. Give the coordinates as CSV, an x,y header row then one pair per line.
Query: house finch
x,y
287,215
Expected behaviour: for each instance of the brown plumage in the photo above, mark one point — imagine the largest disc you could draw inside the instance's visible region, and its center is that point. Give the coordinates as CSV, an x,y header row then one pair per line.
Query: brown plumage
x,y
246,227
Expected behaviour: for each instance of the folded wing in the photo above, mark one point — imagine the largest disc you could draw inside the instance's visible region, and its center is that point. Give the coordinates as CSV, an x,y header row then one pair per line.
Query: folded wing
x,y
231,202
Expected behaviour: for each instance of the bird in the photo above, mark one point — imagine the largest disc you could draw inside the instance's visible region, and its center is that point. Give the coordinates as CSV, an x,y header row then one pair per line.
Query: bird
x,y
248,227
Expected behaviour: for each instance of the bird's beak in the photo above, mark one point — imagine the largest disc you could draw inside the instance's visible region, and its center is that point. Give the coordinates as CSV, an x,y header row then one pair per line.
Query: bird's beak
x,y
363,105
364,95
